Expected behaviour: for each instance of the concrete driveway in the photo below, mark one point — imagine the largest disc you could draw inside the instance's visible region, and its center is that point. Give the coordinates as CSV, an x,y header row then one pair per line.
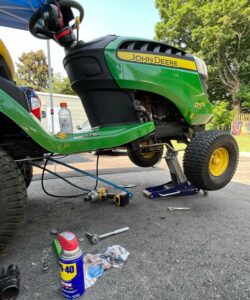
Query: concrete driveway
x,y
203,253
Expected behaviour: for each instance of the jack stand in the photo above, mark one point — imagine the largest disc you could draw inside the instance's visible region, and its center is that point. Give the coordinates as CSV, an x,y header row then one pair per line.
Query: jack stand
x,y
178,186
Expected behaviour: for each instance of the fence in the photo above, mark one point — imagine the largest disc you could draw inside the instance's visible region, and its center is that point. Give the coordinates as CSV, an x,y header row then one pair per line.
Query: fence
x,y
241,124
242,117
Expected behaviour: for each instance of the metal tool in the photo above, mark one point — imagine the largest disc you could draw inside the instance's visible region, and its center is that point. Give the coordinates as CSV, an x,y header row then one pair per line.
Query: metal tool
x,y
45,266
92,196
95,238
170,208
54,232
121,199
127,186
9,282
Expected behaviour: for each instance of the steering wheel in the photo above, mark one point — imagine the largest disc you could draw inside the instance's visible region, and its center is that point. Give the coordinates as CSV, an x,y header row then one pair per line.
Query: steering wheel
x,y
42,33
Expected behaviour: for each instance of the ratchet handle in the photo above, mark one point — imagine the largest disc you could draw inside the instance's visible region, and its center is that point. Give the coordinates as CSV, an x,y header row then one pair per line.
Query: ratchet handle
x,y
121,230
114,232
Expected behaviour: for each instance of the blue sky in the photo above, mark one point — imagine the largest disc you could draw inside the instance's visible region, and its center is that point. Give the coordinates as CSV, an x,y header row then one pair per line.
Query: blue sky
x,y
122,17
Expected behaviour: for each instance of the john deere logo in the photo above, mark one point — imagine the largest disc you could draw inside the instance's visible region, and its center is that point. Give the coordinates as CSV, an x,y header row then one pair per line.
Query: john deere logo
x,y
154,60
160,60
199,105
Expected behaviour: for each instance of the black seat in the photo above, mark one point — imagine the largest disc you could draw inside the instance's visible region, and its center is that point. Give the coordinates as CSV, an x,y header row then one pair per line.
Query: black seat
x,y
4,69
15,92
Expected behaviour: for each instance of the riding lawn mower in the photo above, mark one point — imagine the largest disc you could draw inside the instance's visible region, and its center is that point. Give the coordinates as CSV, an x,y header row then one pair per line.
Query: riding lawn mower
x,y
139,94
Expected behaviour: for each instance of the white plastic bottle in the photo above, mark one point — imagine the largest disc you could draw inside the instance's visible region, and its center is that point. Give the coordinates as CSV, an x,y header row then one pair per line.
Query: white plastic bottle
x,y
65,119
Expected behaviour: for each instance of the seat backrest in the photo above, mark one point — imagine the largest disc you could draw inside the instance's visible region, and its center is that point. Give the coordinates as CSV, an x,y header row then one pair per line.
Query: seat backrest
x,y
7,69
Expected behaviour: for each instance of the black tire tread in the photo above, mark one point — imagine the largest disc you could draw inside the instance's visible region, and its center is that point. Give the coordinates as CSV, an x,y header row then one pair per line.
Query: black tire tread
x,y
27,172
196,156
16,195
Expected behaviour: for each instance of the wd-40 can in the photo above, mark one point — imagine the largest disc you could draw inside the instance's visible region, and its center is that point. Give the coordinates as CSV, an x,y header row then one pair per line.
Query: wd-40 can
x,y
71,261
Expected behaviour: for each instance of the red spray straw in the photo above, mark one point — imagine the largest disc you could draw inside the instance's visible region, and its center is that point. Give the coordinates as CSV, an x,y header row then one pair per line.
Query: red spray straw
x,y
67,240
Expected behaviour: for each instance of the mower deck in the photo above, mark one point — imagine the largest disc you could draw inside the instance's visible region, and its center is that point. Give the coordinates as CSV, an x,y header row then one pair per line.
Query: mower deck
x,y
96,138
99,138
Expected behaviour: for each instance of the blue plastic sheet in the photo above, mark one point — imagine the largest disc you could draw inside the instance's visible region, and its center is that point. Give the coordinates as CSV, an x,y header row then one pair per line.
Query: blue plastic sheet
x,y
17,13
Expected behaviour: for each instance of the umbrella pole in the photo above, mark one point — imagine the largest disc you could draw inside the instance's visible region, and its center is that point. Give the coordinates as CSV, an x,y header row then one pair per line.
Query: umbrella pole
x,y
51,93
50,88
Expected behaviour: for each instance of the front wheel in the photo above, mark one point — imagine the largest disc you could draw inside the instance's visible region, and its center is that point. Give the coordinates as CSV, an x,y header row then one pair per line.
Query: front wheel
x,y
145,159
211,159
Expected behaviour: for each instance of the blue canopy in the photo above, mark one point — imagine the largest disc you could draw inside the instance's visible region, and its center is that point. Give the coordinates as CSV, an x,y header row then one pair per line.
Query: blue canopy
x,y
17,13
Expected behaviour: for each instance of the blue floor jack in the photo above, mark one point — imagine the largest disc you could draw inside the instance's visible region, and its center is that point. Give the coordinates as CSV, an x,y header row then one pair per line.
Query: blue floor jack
x,y
178,186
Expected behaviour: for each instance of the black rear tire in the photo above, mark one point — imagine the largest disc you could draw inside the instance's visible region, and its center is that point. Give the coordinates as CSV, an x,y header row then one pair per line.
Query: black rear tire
x,y
199,167
145,159
27,172
12,198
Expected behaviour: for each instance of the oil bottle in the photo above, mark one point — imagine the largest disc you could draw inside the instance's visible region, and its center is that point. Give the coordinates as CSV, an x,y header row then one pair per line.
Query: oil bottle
x,y
71,262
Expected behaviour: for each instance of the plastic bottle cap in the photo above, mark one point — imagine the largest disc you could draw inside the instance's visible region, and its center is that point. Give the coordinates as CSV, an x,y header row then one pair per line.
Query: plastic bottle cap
x,y
63,104
67,240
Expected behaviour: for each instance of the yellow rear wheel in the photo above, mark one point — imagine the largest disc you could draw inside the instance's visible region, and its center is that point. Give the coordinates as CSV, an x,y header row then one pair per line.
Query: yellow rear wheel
x,y
219,161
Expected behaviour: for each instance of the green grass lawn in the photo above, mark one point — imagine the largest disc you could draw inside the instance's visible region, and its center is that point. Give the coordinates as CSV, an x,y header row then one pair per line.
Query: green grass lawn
x,y
242,140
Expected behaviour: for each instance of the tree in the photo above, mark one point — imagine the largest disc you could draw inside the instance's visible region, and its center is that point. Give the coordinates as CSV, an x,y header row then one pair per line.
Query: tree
x,y
32,70
244,96
219,32
61,85
222,116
